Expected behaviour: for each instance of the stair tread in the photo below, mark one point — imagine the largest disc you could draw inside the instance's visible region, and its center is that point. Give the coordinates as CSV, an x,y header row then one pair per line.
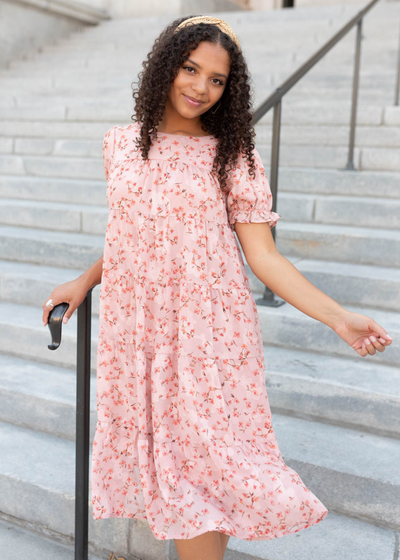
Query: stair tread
x,y
333,229
299,227
334,458
42,381
336,537
378,379
18,542
66,206
344,269
12,313
352,452
71,238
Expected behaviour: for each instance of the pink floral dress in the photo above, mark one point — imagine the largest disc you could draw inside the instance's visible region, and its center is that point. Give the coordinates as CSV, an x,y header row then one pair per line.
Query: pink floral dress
x,y
184,436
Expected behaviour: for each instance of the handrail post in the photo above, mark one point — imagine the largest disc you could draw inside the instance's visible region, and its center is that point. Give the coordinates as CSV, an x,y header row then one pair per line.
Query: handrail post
x,y
350,162
82,428
268,297
396,95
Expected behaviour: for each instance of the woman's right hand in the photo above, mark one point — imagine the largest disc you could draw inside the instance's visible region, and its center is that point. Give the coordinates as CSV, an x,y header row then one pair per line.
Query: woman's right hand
x,y
73,292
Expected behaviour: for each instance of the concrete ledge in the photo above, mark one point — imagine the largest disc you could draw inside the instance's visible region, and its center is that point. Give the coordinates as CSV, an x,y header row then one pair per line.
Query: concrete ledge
x,y
26,26
25,543
75,10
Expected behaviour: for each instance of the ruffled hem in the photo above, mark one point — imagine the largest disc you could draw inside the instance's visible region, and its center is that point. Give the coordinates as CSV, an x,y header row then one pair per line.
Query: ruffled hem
x,y
253,217
222,527
244,490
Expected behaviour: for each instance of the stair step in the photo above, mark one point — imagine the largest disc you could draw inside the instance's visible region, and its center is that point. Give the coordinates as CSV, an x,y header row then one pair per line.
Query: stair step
x,y
42,166
339,243
359,245
377,138
370,93
284,326
326,157
51,248
54,189
344,392
55,129
335,414
318,113
382,184
69,166
336,537
41,397
23,335
24,283
42,491
308,208
287,327
337,465
366,137
325,388
337,182
347,283
59,216
367,212
19,542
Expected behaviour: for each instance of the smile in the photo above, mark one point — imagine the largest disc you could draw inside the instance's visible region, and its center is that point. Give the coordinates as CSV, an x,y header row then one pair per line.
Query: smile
x,y
192,102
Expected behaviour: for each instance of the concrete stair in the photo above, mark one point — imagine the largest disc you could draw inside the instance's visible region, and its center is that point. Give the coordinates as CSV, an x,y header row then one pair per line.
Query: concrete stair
x,y
19,541
335,414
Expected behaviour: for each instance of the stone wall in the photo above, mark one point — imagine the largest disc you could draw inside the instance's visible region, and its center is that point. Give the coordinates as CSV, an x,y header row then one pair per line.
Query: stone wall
x,y
121,8
27,25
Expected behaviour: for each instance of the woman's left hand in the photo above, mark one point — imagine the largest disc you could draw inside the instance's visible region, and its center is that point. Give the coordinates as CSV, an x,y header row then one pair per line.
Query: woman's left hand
x,y
363,334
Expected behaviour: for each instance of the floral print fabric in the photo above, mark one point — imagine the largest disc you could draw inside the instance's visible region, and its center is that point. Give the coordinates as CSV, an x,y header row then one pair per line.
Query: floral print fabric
x,y
184,436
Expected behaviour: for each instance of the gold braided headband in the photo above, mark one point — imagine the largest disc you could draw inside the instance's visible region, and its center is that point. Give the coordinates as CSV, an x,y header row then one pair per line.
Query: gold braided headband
x,y
213,20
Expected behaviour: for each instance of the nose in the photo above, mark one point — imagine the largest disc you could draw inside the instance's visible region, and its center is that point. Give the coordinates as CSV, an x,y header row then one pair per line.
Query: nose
x,y
199,86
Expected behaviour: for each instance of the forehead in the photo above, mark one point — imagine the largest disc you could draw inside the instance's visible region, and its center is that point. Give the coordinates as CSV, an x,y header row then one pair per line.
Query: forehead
x,y
211,57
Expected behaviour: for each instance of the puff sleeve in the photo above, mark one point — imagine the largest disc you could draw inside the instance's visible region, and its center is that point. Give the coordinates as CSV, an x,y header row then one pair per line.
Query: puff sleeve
x,y
249,199
108,149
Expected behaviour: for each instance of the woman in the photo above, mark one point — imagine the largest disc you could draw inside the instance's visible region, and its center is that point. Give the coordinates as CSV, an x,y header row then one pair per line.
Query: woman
x,y
184,436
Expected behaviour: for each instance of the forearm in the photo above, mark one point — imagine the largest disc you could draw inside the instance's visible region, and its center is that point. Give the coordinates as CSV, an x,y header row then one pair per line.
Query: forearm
x,y
287,282
92,276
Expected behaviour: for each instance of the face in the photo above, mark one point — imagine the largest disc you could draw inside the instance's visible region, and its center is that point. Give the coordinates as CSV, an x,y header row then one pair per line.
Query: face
x,y
200,82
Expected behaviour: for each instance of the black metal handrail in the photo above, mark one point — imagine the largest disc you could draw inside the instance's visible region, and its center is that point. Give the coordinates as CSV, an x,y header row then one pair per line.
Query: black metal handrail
x,y
85,308
275,101
82,446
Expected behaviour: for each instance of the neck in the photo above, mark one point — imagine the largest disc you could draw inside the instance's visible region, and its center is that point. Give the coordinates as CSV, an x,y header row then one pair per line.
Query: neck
x,y
173,122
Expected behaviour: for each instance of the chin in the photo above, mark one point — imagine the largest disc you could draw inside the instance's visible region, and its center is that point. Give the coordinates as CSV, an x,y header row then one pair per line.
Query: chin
x,y
190,114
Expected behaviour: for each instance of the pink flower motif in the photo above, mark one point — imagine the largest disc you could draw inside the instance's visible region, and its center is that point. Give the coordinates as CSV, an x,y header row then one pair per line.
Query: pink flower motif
x,y
184,437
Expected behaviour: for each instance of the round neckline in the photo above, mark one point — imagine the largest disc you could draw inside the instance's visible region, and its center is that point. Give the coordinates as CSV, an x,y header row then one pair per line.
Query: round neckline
x,y
185,135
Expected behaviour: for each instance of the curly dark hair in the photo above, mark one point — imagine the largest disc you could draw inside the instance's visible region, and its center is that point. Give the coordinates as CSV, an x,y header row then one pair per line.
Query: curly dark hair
x,y
231,124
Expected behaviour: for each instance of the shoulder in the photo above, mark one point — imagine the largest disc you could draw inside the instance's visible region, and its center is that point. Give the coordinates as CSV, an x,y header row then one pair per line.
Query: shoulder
x,y
119,138
120,130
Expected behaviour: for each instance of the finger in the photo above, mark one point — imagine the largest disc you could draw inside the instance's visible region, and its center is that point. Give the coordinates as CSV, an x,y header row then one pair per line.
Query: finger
x,y
369,346
387,341
362,351
380,331
68,313
378,345
46,312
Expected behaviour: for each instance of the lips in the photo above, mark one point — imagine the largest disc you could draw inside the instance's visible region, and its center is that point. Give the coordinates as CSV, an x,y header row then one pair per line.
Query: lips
x,y
193,102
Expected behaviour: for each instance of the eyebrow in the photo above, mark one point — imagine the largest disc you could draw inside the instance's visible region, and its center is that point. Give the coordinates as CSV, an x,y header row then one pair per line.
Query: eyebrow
x,y
198,66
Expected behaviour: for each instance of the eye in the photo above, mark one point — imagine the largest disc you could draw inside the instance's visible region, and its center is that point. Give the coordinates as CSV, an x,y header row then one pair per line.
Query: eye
x,y
191,68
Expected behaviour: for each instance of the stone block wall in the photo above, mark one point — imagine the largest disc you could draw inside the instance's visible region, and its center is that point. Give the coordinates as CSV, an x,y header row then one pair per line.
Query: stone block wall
x,y
28,25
